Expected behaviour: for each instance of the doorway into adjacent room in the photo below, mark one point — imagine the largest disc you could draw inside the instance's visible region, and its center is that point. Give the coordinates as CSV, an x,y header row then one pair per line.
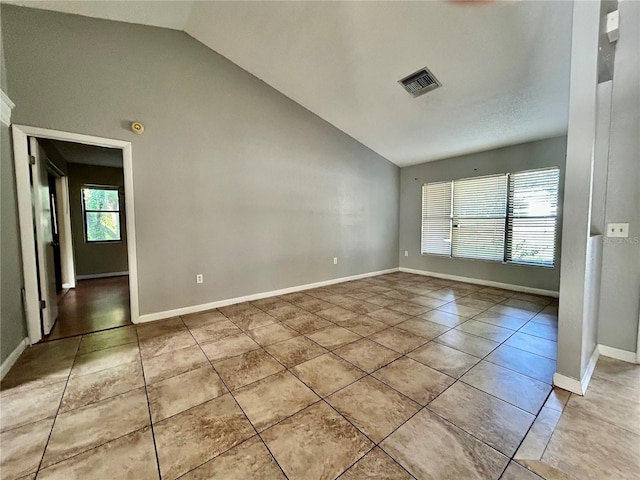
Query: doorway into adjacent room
x,y
78,279
98,297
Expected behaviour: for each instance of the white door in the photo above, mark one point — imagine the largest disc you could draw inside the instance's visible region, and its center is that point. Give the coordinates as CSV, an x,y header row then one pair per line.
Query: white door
x,y
44,236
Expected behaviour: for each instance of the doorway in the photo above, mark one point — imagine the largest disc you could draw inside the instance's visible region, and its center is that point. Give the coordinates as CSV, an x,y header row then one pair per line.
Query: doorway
x,y
96,207
71,210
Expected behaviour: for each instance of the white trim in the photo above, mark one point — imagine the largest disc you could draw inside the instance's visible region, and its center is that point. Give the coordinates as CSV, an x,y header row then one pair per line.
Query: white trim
x,y
127,165
150,317
68,285
567,383
27,237
486,283
638,346
72,137
101,275
6,105
25,214
13,357
591,366
573,385
617,353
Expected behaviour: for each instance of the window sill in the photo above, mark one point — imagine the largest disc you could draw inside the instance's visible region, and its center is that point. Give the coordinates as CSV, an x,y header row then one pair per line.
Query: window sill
x,y
518,264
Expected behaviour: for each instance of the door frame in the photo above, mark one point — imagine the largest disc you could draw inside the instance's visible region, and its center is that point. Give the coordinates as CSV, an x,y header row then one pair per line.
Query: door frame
x,y
25,216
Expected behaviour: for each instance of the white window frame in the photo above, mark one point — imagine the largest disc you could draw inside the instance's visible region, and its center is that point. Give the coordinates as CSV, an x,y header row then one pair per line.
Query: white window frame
x,y
508,219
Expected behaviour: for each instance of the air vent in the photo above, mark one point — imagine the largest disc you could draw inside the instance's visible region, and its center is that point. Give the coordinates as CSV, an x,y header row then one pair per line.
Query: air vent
x,y
420,82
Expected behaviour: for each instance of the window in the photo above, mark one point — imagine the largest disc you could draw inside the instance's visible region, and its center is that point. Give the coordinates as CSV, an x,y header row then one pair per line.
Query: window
x,y
101,207
533,210
508,217
436,218
479,210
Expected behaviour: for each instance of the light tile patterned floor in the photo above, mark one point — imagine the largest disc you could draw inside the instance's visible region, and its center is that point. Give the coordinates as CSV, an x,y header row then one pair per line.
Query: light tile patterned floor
x,y
393,377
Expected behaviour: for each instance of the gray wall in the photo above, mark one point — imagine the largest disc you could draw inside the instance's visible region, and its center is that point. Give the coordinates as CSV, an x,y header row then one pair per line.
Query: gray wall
x,y
12,323
620,291
231,178
581,255
545,153
95,258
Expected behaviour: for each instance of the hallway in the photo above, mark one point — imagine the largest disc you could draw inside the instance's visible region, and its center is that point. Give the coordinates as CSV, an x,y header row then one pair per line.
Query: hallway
x,y
94,305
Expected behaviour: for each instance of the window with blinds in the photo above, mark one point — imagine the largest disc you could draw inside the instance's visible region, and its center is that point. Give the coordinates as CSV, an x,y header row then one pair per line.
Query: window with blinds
x,y
532,217
436,218
508,217
479,211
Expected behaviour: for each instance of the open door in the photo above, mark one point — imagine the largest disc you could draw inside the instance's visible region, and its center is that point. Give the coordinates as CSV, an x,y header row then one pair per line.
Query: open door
x,y
41,195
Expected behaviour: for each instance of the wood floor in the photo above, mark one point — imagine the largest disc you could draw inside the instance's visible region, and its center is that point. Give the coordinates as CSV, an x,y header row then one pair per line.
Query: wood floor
x,y
94,305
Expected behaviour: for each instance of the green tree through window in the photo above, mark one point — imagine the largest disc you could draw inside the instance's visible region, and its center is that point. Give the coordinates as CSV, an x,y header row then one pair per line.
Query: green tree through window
x,y
101,214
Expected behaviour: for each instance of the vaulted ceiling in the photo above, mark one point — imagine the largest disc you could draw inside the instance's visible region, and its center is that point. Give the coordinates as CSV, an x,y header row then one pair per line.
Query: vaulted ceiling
x,y
504,65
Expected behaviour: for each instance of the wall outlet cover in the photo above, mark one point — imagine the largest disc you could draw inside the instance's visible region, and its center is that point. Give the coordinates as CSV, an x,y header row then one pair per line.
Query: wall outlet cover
x,y
620,230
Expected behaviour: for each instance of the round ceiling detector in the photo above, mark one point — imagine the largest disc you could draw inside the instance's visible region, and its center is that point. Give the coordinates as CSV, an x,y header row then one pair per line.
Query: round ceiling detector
x,y
137,127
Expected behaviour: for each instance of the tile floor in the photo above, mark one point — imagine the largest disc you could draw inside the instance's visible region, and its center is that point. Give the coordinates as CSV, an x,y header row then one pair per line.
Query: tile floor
x,y
592,437
393,377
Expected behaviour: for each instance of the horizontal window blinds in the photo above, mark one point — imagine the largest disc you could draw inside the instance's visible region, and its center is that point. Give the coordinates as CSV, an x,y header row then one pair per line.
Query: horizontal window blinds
x,y
532,217
507,217
479,210
436,218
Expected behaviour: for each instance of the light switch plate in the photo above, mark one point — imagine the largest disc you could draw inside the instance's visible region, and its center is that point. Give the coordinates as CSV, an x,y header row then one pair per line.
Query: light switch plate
x,y
620,230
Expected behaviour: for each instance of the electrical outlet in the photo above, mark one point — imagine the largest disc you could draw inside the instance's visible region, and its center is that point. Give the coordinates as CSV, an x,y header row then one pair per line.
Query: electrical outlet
x,y
406,253
620,230
199,278
335,260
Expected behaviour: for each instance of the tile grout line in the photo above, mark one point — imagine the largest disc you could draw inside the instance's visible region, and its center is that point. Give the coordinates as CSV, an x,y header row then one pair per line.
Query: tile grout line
x,y
72,410
546,445
367,374
456,381
146,394
74,335
529,430
238,405
279,321
391,387
322,398
405,355
55,417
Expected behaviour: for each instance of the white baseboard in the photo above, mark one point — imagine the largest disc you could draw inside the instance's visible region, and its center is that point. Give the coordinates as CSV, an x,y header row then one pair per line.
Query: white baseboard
x,y
573,385
13,357
150,317
486,283
591,366
101,275
68,285
618,354
567,383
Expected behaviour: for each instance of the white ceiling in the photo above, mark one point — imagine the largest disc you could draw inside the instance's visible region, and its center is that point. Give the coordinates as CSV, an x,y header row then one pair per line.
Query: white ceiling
x,y
504,65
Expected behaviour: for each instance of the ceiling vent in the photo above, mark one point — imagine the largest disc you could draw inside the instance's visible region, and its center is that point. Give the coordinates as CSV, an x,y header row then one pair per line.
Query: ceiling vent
x,y
420,82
